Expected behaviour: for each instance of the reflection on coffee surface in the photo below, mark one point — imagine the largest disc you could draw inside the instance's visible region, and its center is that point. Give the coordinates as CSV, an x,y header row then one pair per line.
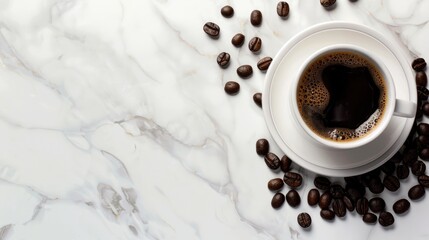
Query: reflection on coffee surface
x,y
341,96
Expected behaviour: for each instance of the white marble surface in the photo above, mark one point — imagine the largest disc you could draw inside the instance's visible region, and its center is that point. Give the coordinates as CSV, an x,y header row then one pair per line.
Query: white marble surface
x,y
114,123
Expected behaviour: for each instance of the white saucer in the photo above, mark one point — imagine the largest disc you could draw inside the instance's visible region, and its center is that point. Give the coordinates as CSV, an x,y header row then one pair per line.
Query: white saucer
x,y
304,150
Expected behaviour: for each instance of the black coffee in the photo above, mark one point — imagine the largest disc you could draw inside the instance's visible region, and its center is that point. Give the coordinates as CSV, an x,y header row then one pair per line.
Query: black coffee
x,y
341,96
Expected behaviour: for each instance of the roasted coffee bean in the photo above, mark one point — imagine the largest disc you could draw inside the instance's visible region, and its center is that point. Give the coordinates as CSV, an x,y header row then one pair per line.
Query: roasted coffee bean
x,y
327,3
255,44
257,98
348,202
419,110
391,183
245,71
322,183
223,59
422,93
336,191
355,190
212,29
262,146
283,9
410,156
401,206
424,140
275,184
402,171
325,200
416,192
227,11
419,64
421,79
292,179
327,214
293,198
256,17
272,161
377,204
278,200
369,217
313,197
304,220
264,63
418,168
423,180
285,163
339,207
238,40
388,167
362,206
423,129
386,219
425,110
424,153
232,87
375,185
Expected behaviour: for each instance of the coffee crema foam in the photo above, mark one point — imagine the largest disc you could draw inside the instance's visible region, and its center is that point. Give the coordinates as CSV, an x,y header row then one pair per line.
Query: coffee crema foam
x,y
313,96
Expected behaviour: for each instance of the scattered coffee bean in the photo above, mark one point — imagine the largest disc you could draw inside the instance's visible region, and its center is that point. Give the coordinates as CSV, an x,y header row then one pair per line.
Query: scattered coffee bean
x,y
285,163
388,167
377,204
304,220
227,11
391,183
423,180
293,198
409,157
275,184
256,17
369,217
245,71
327,3
257,98
386,219
255,44
339,207
232,87
322,183
348,202
313,197
401,206
264,63
327,214
325,200
419,64
355,191
425,110
283,9
421,79
416,192
422,93
262,146
418,168
402,171
362,206
212,29
424,140
292,179
223,59
424,154
272,161
337,191
375,185
423,129
278,200
238,40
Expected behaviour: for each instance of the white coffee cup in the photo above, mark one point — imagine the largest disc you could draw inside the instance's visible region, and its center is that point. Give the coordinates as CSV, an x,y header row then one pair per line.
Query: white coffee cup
x,y
393,106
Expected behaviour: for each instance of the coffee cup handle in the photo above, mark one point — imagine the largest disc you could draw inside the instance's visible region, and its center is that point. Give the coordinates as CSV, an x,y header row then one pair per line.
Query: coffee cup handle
x,y
405,108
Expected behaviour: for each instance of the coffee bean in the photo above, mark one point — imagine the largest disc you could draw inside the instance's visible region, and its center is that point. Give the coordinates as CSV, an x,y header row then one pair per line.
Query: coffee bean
x,y
278,200
425,110
256,17
423,180
285,163
257,98
388,167
410,156
327,214
416,192
327,3
283,9
386,219
337,191
275,184
339,207
418,168
423,129
264,63
377,204
421,79
424,153
375,185
292,179
402,171
401,206
391,183
424,140
369,217
304,220
293,198
262,146
322,183
313,197
397,158
255,44
422,93
272,161
212,29
362,206
325,200
419,64
238,40
355,191
245,71
348,202
223,59
232,87
227,11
